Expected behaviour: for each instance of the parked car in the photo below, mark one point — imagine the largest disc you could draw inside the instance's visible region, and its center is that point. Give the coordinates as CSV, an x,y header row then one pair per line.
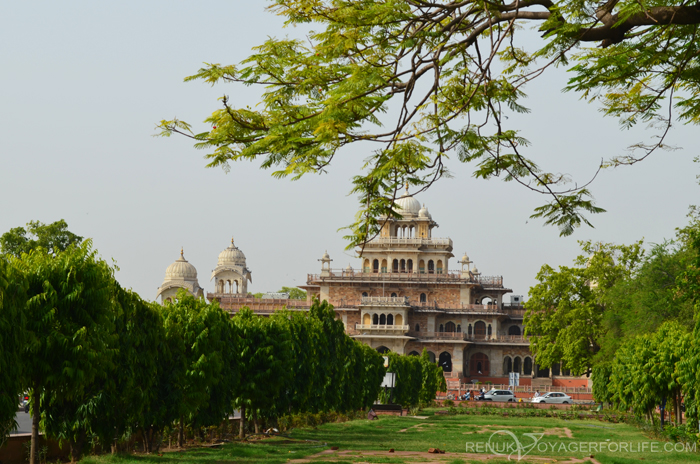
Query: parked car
x,y
500,395
553,397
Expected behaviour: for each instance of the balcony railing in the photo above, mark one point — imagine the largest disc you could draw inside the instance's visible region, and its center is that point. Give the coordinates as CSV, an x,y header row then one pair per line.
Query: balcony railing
x,y
385,300
385,327
479,338
383,241
444,276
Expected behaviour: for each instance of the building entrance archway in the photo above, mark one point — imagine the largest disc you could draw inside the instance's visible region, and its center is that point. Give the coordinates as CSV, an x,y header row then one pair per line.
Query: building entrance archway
x,y
445,361
479,364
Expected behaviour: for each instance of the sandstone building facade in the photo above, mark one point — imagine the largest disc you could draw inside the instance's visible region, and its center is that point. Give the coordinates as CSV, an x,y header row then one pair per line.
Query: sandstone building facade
x,y
404,297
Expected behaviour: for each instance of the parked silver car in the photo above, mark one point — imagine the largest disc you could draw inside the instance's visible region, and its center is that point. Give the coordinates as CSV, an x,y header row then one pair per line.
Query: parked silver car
x,y
553,397
499,395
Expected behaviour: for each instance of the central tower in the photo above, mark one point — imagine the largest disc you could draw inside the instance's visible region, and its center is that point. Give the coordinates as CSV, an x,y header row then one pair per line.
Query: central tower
x,y
406,245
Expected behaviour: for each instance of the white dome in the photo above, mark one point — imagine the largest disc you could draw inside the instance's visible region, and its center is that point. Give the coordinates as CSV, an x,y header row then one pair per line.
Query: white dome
x,y
231,255
181,270
349,268
325,255
465,258
407,206
424,212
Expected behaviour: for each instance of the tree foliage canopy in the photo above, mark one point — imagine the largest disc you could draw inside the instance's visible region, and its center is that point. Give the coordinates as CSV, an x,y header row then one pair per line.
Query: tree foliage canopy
x,y
52,237
449,73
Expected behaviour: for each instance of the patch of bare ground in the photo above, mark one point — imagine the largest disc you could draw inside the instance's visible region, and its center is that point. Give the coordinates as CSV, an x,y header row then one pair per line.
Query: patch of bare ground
x,y
356,456
417,426
559,432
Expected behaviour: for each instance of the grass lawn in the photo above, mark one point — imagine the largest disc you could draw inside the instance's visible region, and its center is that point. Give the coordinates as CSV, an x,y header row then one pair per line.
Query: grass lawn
x,y
463,437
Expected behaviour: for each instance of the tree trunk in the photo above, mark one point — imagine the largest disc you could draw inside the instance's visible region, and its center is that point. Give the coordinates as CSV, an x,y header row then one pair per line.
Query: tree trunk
x,y
76,446
241,430
663,412
146,447
255,420
181,434
36,417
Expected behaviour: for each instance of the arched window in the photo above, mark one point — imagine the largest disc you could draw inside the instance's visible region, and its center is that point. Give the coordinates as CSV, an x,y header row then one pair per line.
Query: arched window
x,y
507,365
390,319
459,328
555,369
403,265
394,295
431,267
489,330
382,319
365,294
417,327
469,330
527,366
365,267
480,330
395,265
565,370
375,266
367,319
421,266
384,265
375,319
414,353
517,367
423,298
442,328
383,349
513,330
410,265
439,266
450,327
542,371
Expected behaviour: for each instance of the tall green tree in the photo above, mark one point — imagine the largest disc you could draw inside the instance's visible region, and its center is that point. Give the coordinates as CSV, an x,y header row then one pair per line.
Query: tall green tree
x,y
68,327
449,74
12,339
566,309
52,237
409,378
204,332
125,400
264,360
433,379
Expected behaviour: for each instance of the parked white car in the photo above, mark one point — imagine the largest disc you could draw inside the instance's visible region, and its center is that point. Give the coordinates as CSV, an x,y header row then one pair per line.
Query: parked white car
x,y
499,395
554,398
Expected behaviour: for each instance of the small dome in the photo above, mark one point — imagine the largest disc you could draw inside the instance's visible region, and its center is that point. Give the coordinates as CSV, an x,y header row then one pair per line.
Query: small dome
x,y
325,255
475,271
465,258
349,268
424,212
181,270
231,255
407,206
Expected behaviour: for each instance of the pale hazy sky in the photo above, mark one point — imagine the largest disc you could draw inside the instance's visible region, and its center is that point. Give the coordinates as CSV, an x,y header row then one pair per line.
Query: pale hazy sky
x,y
83,84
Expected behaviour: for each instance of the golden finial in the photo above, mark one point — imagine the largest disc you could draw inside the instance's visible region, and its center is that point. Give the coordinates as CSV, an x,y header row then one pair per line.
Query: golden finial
x,y
182,252
232,241
406,187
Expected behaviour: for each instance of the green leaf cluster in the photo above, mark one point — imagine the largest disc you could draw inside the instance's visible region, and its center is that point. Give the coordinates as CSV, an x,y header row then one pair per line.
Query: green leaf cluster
x,y
418,84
